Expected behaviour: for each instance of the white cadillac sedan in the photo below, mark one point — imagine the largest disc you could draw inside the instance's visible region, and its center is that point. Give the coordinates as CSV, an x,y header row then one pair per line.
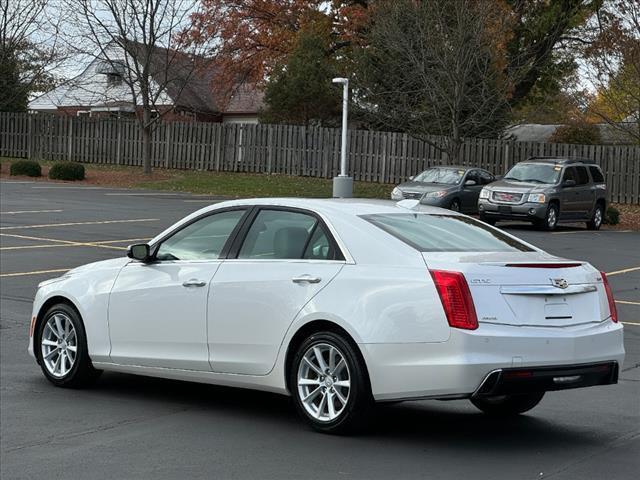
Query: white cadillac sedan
x,y
338,303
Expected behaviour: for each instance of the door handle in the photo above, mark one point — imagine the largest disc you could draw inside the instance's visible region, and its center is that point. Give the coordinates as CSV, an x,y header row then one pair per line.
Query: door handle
x,y
306,279
194,283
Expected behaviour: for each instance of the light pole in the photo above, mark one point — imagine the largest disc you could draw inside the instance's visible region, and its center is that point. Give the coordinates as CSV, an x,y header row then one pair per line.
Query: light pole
x,y
343,184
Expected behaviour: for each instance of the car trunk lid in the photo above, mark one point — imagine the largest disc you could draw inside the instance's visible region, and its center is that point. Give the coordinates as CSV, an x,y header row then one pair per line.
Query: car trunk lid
x,y
528,288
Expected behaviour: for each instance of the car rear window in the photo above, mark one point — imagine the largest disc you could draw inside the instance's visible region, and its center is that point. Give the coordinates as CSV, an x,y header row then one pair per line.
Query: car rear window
x,y
445,233
596,174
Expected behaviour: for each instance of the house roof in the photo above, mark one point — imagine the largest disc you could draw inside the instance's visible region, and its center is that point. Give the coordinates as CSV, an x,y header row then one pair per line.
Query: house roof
x,y
190,84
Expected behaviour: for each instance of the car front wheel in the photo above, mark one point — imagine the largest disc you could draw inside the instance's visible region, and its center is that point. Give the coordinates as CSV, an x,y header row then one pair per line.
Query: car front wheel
x,y
508,405
329,384
550,221
61,348
596,220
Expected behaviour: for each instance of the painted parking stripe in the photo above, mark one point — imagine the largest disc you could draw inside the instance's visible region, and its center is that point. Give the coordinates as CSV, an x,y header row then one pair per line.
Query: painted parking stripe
x,y
637,324
18,212
36,272
103,222
626,270
145,194
69,243
627,302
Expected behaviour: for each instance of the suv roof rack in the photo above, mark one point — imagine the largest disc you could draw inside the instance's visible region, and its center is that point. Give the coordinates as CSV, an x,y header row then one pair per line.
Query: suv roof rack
x,y
562,160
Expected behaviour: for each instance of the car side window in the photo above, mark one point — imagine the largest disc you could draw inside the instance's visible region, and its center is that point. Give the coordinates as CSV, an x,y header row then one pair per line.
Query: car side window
x,y
278,234
485,177
203,239
319,246
596,174
583,177
569,174
473,175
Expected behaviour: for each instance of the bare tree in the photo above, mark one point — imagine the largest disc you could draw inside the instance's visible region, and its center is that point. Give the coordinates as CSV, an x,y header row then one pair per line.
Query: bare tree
x,y
139,41
29,51
431,69
613,67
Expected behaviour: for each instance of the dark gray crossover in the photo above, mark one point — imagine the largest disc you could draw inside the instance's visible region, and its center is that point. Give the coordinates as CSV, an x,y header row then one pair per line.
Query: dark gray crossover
x,y
547,191
452,187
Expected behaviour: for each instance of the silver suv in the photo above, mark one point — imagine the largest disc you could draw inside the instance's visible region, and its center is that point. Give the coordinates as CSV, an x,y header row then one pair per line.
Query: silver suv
x,y
547,191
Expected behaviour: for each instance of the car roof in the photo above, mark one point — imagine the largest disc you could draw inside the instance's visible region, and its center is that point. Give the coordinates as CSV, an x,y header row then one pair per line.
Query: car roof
x,y
560,160
335,206
457,167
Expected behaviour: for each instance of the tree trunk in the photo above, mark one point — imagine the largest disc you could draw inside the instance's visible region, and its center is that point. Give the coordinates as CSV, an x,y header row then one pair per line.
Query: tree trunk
x,y
146,141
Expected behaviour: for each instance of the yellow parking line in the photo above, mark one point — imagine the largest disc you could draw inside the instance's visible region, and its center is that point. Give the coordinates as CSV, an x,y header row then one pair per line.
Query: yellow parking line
x,y
626,270
18,212
67,243
37,272
632,323
627,302
103,222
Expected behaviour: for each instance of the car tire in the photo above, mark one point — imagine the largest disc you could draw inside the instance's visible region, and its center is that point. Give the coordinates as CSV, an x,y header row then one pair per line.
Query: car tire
x,y
319,387
60,345
454,205
487,220
550,221
508,405
596,219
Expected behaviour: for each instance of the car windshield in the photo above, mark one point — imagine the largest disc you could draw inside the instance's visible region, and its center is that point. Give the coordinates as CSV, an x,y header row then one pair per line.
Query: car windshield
x,y
534,172
445,233
447,176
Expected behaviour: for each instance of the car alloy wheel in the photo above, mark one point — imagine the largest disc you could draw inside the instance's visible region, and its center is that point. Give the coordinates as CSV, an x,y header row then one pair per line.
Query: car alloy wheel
x,y
324,382
455,206
59,345
551,220
596,221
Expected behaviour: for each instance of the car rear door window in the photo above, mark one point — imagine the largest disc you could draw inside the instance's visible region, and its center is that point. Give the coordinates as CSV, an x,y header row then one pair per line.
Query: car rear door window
x,y
203,239
583,177
283,234
596,174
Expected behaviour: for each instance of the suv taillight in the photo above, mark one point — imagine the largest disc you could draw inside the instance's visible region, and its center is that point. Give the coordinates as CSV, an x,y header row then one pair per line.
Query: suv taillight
x,y
612,303
456,299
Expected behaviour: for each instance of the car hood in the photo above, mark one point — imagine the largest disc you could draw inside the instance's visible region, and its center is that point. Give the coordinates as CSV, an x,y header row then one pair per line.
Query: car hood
x,y
101,265
519,187
425,187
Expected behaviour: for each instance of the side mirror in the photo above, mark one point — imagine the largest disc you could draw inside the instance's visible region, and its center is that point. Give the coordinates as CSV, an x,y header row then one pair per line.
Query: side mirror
x,y
139,251
470,183
569,183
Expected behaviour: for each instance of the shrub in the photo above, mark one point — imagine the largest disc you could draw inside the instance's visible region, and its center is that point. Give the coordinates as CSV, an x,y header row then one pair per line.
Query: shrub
x,y
612,217
580,133
67,171
30,168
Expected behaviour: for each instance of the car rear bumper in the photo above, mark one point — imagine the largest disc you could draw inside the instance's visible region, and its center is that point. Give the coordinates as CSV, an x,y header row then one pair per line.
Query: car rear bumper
x,y
458,367
509,381
525,211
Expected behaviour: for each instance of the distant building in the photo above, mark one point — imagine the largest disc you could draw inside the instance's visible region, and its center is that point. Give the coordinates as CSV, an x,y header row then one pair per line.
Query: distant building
x,y
190,95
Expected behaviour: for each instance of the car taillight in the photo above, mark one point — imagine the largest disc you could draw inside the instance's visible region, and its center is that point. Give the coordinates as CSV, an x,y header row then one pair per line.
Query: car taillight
x,y
612,303
456,299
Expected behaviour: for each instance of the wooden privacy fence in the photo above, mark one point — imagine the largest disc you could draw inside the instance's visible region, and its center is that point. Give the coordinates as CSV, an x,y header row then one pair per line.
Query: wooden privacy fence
x,y
385,157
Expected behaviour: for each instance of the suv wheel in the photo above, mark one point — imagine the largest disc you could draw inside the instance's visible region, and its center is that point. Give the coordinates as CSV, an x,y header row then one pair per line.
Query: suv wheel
x,y
596,219
550,221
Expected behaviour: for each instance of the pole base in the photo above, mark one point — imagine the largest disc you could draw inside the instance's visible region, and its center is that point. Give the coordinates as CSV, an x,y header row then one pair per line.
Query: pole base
x,y
342,187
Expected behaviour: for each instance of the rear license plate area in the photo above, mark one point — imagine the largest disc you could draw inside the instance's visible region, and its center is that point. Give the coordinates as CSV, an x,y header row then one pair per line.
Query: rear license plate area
x,y
504,209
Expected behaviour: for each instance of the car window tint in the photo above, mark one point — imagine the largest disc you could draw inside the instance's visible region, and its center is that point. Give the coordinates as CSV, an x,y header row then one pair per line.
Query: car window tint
x,y
277,234
319,247
485,177
596,174
570,174
445,233
201,240
583,178
473,175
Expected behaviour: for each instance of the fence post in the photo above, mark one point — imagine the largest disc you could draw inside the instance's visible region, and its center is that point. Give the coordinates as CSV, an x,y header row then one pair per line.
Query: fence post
x,y
69,138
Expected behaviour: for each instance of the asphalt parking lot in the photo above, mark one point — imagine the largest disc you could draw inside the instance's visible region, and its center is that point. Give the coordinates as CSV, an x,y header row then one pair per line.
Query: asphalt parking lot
x,y
135,427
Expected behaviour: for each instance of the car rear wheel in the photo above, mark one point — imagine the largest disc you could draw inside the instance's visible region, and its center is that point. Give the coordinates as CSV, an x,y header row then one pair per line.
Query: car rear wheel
x,y
61,348
507,405
329,384
596,220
